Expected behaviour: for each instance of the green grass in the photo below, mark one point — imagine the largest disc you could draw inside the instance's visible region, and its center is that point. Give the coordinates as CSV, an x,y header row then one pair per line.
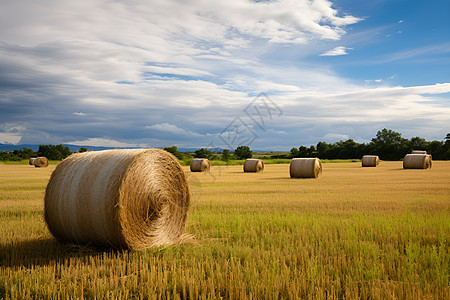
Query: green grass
x,y
267,161
378,233
24,162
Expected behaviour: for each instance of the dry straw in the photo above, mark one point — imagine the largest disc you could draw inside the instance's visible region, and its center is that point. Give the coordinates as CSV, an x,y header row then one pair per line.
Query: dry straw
x,y
134,198
38,162
417,161
370,161
200,165
305,168
253,165
418,152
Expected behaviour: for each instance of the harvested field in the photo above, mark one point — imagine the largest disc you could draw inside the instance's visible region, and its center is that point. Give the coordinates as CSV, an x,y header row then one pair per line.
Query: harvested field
x,y
353,233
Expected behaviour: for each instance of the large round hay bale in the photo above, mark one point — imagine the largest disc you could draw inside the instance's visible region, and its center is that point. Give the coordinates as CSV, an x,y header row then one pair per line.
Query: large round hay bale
x,y
253,165
200,165
132,198
370,160
305,168
38,162
417,161
418,152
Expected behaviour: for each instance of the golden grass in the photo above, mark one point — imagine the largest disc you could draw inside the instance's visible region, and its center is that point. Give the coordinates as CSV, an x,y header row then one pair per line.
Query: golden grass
x,y
353,233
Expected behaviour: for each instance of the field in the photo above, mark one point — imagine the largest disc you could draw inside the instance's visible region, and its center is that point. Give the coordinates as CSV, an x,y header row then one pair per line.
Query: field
x,y
354,233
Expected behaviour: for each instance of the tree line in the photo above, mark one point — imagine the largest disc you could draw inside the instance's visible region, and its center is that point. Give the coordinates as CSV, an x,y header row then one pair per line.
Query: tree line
x,y
388,145
52,152
241,152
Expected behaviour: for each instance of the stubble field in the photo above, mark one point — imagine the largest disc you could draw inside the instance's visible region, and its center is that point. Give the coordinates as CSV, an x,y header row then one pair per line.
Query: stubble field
x,y
353,233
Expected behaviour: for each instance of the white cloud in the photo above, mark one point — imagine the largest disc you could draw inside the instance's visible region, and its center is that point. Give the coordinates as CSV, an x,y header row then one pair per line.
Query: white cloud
x,y
173,129
102,142
10,133
429,50
9,138
374,80
333,137
66,60
340,50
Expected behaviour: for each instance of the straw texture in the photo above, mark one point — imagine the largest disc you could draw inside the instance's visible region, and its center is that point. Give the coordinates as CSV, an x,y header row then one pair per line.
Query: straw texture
x,y
133,198
38,162
417,161
418,152
305,168
253,165
370,161
200,165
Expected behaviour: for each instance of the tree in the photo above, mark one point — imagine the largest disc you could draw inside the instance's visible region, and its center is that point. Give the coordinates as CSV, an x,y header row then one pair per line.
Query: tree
x,y
294,152
349,149
390,145
174,151
202,153
417,143
303,151
53,152
322,149
226,154
82,149
243,152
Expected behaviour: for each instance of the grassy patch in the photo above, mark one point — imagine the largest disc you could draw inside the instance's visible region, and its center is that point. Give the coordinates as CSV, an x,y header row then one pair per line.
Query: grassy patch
x,y
353,233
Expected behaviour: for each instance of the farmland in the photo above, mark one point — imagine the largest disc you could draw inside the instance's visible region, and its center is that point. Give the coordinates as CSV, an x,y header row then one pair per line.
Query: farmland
x,y
353,233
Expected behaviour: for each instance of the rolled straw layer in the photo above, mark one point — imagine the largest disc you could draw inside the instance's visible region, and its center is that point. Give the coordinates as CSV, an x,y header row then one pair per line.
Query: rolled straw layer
x,y
38,162
200,165
417,161
253,165
370,161
133,198
305,168
418,152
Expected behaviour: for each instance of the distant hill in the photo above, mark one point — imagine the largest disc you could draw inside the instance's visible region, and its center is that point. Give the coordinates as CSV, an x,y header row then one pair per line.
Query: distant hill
x,y
74,148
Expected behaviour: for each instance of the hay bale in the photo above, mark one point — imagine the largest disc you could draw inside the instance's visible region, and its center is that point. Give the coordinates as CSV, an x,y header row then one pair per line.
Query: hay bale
x,y
253,165
132,198
370,161
417,161
200,165
305,168
38,162
418,152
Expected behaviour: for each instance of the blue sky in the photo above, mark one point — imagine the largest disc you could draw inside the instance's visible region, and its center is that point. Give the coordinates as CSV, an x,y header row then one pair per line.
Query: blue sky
x,y
191,73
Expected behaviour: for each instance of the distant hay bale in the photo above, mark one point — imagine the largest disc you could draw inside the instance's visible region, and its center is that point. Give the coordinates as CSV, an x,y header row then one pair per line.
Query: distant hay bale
x,y
38,162
253,165
370,160
417,161
305,168
200,165
418,152
132,198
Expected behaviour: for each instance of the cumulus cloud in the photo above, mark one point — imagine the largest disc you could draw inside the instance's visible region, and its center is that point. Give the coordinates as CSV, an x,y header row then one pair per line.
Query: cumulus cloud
x,y
126,74
340,50
101,142
172,129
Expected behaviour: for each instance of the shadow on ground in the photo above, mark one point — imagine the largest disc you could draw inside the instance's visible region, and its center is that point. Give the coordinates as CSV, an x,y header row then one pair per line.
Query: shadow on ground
x,y
43,252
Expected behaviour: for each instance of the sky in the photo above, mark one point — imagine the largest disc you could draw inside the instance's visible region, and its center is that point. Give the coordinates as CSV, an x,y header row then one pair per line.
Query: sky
x,y
199,73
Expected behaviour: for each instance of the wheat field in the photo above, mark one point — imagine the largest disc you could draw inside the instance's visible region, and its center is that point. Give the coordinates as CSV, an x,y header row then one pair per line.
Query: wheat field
x,y
378,233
